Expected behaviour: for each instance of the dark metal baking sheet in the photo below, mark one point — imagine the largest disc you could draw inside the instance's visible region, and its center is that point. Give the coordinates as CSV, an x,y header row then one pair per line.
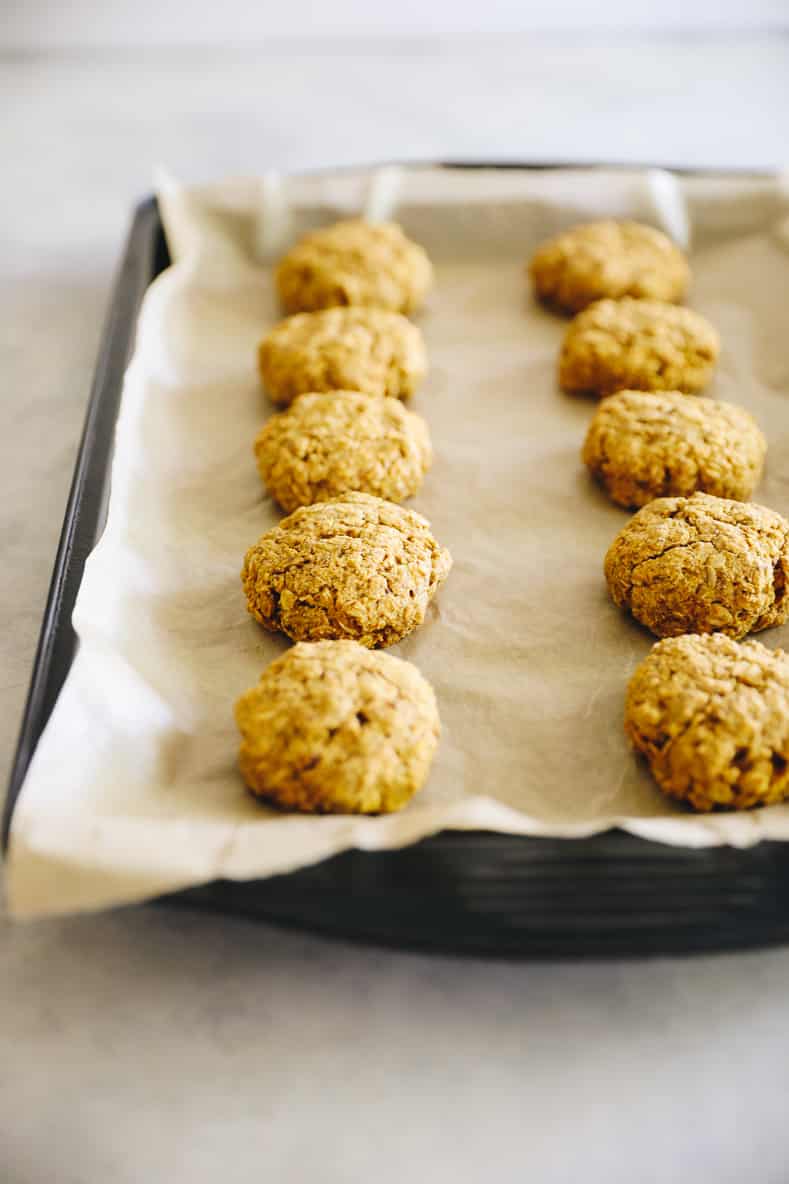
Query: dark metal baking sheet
x,y
465,892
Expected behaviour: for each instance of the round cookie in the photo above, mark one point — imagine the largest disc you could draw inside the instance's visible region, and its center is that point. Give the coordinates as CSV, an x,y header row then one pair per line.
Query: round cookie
x,y
355,263
701,564
608,259
642,345
336,728
339,442
356,567
711,716
356,349
642,445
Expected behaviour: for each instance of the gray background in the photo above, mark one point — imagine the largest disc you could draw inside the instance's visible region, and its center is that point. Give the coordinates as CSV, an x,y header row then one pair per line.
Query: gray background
x,y
151,1045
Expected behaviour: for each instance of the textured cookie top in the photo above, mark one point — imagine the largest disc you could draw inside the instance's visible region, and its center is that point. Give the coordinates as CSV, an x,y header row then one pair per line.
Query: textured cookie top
x,y
355,263
357,567
701,564
642,445
334,727
711,715
357,349
643,345
608,259
339,442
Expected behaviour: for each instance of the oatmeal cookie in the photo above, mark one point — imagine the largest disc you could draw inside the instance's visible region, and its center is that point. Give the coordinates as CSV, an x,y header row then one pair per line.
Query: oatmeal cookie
x,y
608,259
642,445
355,263
335,728
711,716
357,349
701,564
356,567
339,442
642,345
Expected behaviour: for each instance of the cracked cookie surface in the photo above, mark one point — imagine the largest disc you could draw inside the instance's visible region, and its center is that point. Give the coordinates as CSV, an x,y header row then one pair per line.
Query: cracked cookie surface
x,y
643,445
339,442
701,564
357,349
333,727
711,716
608,259
355,262
643,345
356,567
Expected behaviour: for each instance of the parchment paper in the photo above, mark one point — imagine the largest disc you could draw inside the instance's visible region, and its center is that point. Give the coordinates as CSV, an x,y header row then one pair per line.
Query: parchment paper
x,y
133,789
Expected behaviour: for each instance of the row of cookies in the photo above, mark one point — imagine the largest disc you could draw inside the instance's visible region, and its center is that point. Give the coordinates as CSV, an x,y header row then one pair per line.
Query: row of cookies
x,y
698,564
335,725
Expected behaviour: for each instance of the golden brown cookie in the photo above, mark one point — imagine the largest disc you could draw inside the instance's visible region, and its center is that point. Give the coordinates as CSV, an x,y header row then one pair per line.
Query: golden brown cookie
x,y
355,263
642,445
355,349
711,716
340,442
641,345
356,567
335,728
701,564
608,259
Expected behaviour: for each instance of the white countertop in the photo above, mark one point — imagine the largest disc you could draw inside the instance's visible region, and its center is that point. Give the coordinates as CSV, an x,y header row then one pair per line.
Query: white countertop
x,y
155,1045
